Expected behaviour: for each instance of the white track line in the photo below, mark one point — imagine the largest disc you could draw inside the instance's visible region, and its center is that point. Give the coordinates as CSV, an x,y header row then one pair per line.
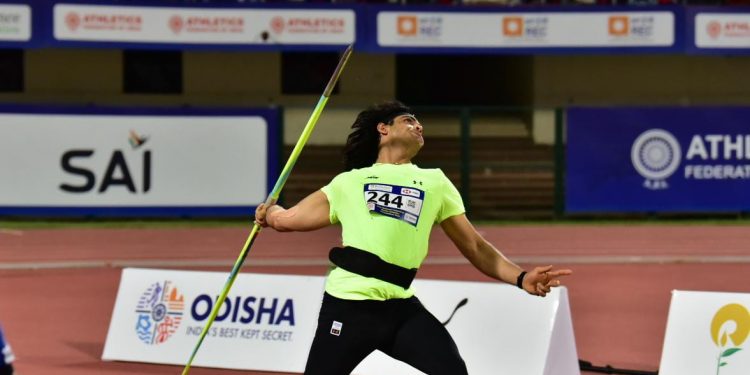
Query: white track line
x,y
12,232
306,262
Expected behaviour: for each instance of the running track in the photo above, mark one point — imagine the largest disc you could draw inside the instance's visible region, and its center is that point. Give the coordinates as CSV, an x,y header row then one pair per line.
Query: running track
x,y
58,286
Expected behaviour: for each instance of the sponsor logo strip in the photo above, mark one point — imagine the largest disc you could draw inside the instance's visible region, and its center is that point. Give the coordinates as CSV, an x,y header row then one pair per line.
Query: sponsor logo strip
x,y
522,30
211,26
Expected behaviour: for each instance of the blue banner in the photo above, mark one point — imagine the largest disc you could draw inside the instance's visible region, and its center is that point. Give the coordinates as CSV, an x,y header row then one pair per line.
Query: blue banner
x,y
658,160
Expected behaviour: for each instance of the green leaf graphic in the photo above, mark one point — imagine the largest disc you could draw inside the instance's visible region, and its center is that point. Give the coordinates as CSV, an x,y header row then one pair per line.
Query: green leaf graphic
x,y
730,351
722,364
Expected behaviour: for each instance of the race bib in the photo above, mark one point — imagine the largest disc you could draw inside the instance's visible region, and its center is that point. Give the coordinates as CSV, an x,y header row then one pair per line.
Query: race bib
x,y
398,202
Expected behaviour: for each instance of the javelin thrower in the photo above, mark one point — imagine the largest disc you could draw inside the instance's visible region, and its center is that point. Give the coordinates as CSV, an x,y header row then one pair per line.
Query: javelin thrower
x,y
387,207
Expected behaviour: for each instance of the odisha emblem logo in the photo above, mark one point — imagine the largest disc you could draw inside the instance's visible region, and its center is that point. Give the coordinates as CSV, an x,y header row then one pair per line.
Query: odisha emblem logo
x,y
159,313
655,155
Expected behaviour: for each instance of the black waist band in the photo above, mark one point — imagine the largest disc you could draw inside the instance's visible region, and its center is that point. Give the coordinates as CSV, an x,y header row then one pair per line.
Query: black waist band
x,y
370,265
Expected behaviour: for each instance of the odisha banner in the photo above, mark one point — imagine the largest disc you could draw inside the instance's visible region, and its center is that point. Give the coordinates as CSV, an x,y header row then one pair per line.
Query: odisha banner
x,y
658,160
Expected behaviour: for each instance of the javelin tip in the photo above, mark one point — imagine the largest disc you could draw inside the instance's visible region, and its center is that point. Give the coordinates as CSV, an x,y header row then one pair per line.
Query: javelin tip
x,y
339,68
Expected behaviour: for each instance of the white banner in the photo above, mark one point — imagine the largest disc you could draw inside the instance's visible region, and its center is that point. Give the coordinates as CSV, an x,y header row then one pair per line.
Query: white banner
x,y
113,160
722,30
268,323
15,22
108,23
500,330
521,30
707,333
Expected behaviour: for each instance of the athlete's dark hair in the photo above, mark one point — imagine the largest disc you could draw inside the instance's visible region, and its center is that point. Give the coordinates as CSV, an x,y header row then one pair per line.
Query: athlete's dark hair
x,y
361,148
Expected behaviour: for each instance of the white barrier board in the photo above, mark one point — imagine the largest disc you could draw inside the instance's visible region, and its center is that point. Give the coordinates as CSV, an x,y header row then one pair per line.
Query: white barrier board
x,y
707,334
267,325
270,320
500,330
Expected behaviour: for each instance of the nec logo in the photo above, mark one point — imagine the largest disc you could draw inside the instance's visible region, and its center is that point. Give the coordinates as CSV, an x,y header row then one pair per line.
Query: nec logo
x,y
619,25
513,26
411,26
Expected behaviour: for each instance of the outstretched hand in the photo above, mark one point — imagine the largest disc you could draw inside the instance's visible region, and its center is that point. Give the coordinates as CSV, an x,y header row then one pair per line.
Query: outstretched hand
x,y
541,280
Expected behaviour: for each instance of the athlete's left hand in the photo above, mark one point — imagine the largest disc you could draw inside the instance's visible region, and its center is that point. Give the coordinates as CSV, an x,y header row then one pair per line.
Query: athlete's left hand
x,y
541,280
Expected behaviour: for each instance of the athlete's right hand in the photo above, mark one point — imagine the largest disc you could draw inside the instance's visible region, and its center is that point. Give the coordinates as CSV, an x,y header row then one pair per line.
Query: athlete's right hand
x,y
260,215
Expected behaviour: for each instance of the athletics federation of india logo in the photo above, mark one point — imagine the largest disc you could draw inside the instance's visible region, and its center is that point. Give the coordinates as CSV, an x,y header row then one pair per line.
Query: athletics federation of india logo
x,y
159,310
656,156
729,329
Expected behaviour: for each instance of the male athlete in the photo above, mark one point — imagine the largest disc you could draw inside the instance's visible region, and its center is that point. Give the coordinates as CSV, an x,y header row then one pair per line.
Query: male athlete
x,y
387,206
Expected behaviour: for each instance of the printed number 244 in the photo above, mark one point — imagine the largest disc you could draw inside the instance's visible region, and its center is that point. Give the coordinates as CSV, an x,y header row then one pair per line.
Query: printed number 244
x,y
385,199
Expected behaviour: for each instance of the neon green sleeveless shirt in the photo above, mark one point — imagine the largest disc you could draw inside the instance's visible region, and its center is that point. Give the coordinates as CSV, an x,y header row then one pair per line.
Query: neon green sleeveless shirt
x,y
388,210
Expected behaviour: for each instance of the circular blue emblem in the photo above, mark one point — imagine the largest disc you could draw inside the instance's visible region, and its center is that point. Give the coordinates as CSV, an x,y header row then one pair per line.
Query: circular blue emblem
x,y
656,154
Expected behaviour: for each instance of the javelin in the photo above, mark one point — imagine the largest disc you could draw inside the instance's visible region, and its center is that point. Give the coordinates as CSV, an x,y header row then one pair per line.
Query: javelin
x,y
272,198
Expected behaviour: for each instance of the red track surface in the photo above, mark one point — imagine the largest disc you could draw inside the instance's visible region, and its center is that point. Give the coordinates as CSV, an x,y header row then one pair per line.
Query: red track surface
x,y
56,317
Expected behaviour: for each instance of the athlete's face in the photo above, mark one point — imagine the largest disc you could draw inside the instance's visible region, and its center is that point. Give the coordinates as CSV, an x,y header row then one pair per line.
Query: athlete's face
x,y
406,128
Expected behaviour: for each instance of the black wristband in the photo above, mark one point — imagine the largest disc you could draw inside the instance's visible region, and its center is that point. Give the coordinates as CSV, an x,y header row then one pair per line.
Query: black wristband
x,y
519,280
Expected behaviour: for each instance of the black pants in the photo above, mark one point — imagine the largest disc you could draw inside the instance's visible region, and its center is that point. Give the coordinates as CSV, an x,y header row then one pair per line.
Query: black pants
x,y
402,329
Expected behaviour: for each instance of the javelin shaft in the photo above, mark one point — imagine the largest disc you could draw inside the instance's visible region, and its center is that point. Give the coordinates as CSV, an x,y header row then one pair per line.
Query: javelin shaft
x,y
274,195
272,198
220,301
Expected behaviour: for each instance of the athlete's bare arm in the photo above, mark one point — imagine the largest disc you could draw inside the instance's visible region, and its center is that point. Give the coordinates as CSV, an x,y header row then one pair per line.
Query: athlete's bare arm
x,y
493,263
309,214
